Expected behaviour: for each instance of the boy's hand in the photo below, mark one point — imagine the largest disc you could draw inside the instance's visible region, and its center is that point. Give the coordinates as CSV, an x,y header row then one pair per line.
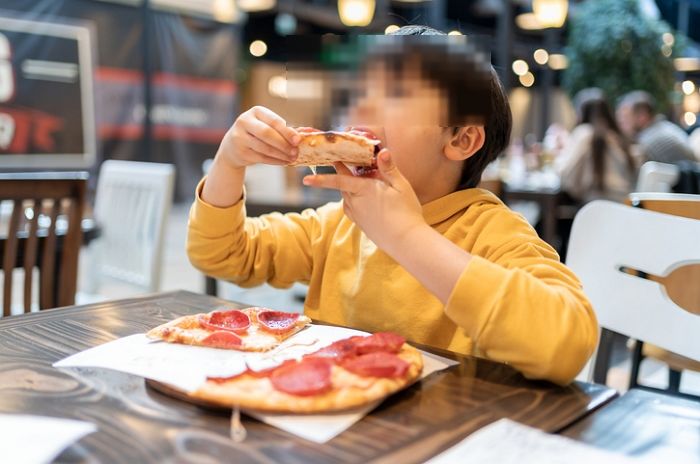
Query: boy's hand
x,y
385,207
259,136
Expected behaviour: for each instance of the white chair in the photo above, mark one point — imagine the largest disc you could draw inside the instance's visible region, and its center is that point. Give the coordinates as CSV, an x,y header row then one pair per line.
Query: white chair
x,y
132,204
657,177
607,236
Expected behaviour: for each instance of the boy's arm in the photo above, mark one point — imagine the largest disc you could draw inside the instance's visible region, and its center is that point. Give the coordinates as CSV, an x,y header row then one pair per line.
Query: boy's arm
x,y
274,248
221,242
520,305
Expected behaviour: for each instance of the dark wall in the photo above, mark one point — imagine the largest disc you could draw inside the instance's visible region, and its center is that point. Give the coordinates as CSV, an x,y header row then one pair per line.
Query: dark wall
x,y
189,64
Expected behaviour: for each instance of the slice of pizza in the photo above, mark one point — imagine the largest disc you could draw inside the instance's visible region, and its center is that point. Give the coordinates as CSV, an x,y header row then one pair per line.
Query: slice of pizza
x,y
248,329
357,148
349,373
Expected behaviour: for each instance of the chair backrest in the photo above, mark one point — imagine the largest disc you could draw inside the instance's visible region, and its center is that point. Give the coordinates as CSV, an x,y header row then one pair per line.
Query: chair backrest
x,y
657,177
608,236
132,204
42,228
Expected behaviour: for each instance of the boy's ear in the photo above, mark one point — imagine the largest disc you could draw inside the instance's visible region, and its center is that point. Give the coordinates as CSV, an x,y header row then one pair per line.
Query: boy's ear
x,y
465,142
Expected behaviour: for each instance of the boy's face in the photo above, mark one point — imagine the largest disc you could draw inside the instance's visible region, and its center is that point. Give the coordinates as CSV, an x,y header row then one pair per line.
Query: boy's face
x,y
409,115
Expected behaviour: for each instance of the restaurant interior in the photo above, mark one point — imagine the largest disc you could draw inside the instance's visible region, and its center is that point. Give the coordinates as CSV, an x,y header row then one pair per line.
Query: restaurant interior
x,y
195,268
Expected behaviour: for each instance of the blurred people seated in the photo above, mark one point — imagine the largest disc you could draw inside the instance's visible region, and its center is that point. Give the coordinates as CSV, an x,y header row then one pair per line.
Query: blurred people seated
x,y
596,161
658,138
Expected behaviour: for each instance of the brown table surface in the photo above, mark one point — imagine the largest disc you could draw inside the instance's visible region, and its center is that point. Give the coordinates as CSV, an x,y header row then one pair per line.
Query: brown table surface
x,y
644,423
138,424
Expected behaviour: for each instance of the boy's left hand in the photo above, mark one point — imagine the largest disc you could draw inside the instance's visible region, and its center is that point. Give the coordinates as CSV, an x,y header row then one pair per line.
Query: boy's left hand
x,y
385,206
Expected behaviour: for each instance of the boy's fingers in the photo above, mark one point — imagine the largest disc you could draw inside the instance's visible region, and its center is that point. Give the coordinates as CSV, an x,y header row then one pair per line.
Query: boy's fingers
x,y
389,170
262,158
275,121
268,134
352,185
260,146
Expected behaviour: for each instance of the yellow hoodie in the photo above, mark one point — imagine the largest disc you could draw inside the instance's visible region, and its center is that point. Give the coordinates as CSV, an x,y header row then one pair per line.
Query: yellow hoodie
x,y
514,302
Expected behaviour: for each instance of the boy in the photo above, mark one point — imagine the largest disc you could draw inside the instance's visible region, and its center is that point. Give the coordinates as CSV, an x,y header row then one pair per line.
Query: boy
x,y
415,249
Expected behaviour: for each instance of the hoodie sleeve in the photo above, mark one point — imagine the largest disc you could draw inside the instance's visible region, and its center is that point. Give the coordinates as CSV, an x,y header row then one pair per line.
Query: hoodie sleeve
x,y
520,304
274,248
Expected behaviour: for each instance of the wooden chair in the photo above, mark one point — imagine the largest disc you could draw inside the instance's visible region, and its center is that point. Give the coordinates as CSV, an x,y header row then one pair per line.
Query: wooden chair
x,y
42,229
608,240
677,205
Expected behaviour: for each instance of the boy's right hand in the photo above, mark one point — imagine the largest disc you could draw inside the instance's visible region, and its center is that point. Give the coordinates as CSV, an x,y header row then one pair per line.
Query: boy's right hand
x,y
259,135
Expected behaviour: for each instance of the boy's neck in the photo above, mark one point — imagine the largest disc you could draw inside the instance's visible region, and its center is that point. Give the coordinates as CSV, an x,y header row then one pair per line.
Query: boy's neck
x,y
431,191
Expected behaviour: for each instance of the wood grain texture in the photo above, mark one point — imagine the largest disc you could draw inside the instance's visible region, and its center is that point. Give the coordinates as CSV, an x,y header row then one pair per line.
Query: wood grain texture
x,y
642,423
138,424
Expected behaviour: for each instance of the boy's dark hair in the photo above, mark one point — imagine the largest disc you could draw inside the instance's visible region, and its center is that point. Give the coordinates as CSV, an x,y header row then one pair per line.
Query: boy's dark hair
x,y
467,95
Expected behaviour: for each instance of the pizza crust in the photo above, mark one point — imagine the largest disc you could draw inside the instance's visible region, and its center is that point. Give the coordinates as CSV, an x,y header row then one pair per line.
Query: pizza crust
x,y
326,148
349,390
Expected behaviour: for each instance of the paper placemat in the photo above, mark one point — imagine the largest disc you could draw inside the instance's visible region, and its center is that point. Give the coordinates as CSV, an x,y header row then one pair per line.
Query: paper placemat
x,y
26,439
508,442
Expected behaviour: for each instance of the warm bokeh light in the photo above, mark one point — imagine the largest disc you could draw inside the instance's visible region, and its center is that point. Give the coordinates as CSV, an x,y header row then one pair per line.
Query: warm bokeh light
x,y
391,28
692,102
520,67
454,33
258,48
256,5
527,22
527,79
356,12
666,50
688,87
687,64
558,61
689,118
541,56
277,86
668,38
225,11
550,13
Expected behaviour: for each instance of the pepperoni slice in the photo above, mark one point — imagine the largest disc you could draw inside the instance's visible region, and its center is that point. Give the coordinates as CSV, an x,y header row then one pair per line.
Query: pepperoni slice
x,y
338,350
233,320
222,339
379,364
311,376
380,342
277,321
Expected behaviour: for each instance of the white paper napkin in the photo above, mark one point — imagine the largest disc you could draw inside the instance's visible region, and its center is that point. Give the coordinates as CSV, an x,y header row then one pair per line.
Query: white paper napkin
x,y
28,439
508,442
187,367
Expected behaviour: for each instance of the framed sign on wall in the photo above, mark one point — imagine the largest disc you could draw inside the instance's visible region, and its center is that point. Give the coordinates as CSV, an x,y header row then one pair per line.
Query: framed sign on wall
x,y
47,113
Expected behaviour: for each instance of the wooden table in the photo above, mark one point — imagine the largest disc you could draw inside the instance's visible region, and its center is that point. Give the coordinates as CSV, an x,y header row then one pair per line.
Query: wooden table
x,y
643,423
138,424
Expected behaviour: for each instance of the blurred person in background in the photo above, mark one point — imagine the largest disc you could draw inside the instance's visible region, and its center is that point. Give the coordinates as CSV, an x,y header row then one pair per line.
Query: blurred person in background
x,y
658,138
597,161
